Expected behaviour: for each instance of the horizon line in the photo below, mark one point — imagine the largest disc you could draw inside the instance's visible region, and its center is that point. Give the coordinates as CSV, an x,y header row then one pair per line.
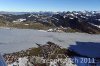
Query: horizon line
x,y
50,11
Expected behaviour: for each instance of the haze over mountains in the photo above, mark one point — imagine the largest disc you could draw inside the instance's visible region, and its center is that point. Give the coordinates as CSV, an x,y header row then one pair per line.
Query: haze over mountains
x,y
81,21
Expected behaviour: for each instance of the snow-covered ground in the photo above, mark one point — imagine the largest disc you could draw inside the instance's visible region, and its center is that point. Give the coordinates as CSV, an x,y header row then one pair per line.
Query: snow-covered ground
x,y
12,40
25,62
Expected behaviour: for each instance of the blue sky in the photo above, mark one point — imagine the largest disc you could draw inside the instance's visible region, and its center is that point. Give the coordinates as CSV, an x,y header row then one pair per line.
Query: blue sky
x,y
49,5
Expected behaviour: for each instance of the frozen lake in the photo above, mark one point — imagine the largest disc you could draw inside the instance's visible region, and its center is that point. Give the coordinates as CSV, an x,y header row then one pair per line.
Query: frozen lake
x,y
12,40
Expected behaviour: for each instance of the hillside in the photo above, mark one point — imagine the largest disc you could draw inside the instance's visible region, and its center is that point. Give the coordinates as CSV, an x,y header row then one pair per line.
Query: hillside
x,y
75,21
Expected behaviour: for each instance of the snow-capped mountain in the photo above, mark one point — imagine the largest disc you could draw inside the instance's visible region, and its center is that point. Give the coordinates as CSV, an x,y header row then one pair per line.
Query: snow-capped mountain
x,y
84,21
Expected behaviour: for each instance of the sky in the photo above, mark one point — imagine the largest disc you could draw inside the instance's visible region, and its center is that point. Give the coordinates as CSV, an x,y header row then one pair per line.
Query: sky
x,y
49,5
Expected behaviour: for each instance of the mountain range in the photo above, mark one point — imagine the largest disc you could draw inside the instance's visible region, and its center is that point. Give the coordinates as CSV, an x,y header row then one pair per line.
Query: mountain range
x,y
82,21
